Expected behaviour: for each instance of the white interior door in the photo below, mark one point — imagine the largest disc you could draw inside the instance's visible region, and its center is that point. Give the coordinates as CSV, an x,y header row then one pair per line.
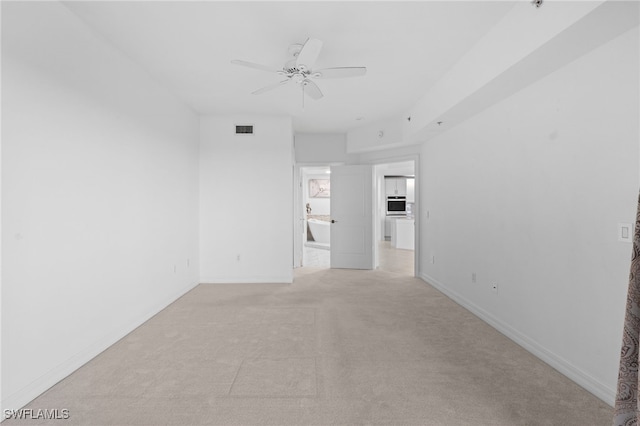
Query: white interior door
x,y
352,217
298,218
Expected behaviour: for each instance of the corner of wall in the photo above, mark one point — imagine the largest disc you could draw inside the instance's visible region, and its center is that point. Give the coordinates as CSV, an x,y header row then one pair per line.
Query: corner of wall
x,y
597,388
20,398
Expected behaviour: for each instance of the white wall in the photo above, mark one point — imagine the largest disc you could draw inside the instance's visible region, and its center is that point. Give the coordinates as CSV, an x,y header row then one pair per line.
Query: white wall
x,y
246,200
392,155
528,194
1,257
320,148
99,191
377,136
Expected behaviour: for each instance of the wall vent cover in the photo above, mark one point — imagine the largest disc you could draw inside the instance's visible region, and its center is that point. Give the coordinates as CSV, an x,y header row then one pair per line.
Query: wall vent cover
x,y
244,130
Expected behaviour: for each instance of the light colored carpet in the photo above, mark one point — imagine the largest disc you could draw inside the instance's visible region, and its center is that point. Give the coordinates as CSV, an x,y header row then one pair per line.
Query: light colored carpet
x,y
337,347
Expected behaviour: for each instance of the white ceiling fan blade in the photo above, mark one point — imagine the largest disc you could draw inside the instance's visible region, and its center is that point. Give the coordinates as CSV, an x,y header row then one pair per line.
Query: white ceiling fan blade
x,y
309,53
271,87
253,65
311,89
340,72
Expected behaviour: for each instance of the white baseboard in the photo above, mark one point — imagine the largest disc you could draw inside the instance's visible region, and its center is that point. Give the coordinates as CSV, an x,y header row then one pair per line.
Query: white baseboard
x,y
27,394
597,388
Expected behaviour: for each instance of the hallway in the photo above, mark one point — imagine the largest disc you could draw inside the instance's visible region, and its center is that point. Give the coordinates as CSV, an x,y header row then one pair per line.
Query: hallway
x,y
335,347
395,260
390,259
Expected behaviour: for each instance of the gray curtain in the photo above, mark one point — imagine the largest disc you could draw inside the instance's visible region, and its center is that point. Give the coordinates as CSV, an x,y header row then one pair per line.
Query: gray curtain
x,y
627,407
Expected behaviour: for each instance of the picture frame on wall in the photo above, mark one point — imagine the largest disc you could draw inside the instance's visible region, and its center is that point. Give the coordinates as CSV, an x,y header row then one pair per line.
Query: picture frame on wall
x,y
319,188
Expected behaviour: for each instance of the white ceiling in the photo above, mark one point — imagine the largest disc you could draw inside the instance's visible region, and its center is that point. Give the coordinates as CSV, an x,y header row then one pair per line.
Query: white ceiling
x,y
188,47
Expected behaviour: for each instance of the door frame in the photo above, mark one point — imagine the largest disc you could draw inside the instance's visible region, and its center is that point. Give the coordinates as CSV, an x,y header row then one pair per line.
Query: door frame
x,y
297,197
418,203
298,216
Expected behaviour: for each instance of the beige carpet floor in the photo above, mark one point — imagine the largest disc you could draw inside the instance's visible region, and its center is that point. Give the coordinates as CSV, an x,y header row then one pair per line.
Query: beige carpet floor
x,y
337,347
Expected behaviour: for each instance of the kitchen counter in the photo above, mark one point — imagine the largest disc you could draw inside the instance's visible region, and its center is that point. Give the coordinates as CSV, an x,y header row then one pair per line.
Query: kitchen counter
x,y
402,233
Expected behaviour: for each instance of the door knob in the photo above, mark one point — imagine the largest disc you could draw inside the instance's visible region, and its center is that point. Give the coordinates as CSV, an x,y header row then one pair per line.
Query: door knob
x,y
333,221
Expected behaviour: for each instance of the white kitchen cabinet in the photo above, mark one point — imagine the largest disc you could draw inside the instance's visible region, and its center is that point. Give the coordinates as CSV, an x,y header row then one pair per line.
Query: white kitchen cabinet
x,y
389,186
395,185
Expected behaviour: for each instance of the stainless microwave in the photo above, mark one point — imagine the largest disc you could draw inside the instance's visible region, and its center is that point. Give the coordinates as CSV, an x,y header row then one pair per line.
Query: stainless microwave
x,y
396,205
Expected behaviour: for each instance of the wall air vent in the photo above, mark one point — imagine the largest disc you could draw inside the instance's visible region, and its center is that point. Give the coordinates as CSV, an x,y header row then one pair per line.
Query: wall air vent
x,y
244,130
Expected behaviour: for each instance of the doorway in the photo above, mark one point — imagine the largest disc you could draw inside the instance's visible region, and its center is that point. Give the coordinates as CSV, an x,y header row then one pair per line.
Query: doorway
x,y
396,217
314,216
313,202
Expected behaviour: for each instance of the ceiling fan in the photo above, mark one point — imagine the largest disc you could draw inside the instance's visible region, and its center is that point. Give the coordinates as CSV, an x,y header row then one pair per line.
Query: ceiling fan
x,y
300,69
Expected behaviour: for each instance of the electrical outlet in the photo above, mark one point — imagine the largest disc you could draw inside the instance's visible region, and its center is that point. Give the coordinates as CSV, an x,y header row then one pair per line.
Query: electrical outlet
x,y
494,287
433,259
175,269
238,258
473,278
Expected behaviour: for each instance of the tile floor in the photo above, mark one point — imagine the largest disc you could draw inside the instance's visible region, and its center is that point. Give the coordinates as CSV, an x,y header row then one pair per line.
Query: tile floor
x,y
390,259
316,257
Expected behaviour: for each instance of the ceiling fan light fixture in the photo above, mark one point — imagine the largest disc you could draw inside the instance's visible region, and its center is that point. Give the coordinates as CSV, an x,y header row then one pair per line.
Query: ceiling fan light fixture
x,y
300,69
